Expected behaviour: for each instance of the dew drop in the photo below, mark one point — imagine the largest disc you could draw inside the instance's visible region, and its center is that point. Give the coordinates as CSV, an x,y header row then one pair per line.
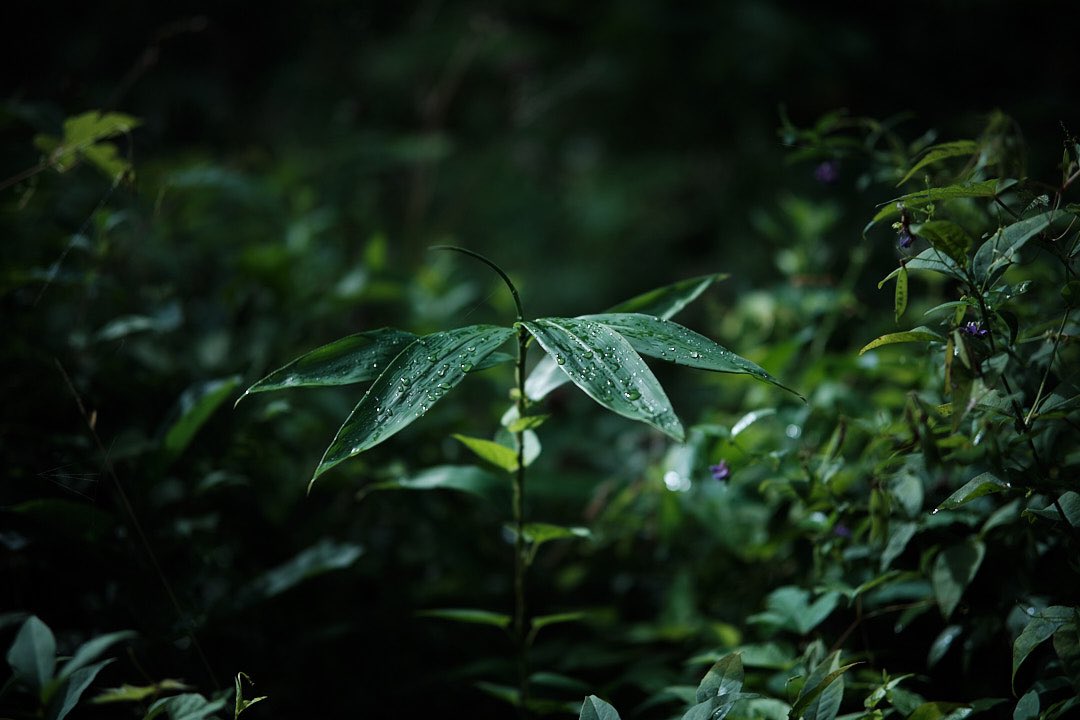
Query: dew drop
x,y
631,395
587,354
466,367
560,359
695,354
470,349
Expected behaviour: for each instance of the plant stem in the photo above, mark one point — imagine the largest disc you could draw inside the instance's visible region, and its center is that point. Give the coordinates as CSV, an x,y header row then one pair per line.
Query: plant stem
x,y
520,560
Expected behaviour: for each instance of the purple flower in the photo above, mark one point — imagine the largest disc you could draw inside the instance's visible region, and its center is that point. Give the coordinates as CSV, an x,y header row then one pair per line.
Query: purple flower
x,y
827,172
973,329
720,471
841,530
905,238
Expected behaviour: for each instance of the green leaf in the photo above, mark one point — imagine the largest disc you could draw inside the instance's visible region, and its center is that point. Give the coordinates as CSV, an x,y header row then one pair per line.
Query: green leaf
x,y
91,650
540,533
986,189
930,259
604,365
900,296
596,709
498,455
942,151
543,621
1067,647
998,252
463,478
719,690
808,696
417,378
352,359
189,706
323,557
242,703
948,238
195,406
919,334
663,302
1041,626
941,711
953,570
529,422
71,690
1027,707
663,339
471,616
942,643
983,484
790,608
138,693
32,655
83,136
827,702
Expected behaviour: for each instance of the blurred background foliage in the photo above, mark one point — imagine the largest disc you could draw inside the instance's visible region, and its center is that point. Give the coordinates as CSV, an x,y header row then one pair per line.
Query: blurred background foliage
x,y
290,167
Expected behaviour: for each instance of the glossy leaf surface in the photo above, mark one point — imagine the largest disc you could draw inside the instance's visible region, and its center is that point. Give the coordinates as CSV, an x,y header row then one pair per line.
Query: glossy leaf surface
x,y
596,709
32,655
984,484
606,367
986,188
997,253
953,571
663,302
663,339
919,334
417,378
352,359
937,153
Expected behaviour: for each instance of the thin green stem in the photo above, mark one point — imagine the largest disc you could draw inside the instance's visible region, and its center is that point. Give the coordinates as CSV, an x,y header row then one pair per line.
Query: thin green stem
x,y
493,266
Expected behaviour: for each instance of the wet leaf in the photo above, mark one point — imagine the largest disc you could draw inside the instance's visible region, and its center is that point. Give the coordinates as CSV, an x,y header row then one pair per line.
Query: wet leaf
x,y
352,359
983,484
663,339
1042,625
828,695
605,366
985,189
997,253
417,378
919,334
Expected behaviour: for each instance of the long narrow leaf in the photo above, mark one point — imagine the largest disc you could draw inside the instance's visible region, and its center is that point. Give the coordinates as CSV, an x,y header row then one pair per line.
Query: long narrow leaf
x,y
606,367
942,151
663,339
417,378
352,359
663,302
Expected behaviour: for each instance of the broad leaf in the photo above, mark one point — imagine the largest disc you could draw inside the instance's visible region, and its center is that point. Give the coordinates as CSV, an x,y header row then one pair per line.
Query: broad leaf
x,y
70,692
998,252
930,259
937,153
948,238
663,339
725,677
474,617
919,334
596,709
975,488
1039,629
827,702
953,570
352,359
33,654
417,378
662,302
89,651
811,692
605,366
189,706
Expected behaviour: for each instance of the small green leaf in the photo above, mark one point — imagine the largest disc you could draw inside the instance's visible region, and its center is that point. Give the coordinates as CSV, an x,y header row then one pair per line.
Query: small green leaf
x,y
942,643
604,365
540,533
1027,707
919,334
32,655
900,296
83,136
352,359
596,709
529,422
1042,625
725,677
983,484
189,706
498,455
463,478
71,690
194,408
464,615
937,153
953,570
930,259
242,703
941,711
417,378
663,339
543,621
808,696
